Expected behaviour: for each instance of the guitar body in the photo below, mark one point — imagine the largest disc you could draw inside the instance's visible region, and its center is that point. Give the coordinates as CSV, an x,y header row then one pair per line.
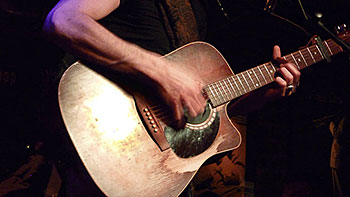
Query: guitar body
x,y
113,140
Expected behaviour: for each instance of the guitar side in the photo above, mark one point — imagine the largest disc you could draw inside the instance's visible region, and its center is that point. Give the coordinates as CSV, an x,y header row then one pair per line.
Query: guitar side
x,y
103,122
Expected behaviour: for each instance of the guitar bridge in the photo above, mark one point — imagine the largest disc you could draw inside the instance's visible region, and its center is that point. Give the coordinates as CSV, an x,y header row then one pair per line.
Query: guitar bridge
x,y
151,123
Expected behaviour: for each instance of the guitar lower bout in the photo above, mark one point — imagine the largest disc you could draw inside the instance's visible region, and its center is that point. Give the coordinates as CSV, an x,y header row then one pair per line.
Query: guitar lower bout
x,y
111,133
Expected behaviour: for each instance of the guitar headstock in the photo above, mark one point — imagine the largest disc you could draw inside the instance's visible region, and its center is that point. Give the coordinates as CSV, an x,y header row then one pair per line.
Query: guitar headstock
x,y
343,33
340,29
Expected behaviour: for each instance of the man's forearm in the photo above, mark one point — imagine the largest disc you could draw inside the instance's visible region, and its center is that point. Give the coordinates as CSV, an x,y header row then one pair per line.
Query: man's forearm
x,y
84,37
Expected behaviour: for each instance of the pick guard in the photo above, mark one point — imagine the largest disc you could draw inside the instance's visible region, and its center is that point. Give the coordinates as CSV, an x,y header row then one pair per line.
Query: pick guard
x,y
197,136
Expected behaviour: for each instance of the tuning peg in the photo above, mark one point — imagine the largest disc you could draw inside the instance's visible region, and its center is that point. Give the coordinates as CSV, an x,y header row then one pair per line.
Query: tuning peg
x,y
341,28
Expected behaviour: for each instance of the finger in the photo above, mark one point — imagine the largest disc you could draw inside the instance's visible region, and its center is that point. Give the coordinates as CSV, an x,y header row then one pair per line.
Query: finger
x,y
276,52
193,108
287,76
281,60
282,84
179,117
197,106
200,97
294,71
202,102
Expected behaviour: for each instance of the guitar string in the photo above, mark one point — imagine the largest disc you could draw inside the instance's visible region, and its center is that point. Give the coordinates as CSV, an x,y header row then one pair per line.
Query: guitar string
x,y
234,78
161,113
307,58
223,91
164,115
333,46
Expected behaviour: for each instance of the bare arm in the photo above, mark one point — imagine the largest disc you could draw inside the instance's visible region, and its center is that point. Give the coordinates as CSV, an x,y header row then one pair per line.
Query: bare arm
x,y
72,25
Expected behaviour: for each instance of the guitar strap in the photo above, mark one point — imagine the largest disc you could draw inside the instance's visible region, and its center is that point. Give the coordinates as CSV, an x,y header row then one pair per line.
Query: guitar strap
x,y
180,21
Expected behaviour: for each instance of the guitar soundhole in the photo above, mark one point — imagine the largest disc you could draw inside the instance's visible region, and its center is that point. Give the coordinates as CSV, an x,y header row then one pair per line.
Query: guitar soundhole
x,y
197,136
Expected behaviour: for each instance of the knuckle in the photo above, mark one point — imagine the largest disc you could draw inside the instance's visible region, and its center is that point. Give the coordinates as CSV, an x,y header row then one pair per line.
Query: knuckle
x,y
290,65
283,69
283,83
289,78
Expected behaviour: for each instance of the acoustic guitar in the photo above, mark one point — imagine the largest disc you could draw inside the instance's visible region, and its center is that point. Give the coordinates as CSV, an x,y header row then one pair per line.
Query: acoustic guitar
x,y
122,134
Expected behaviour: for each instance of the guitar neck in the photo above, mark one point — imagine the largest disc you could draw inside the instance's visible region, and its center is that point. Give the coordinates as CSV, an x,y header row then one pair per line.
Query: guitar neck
x,y
232,87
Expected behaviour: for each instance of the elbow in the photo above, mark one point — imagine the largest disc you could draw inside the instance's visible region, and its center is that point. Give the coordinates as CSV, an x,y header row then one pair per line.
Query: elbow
x,y
51,24
55,25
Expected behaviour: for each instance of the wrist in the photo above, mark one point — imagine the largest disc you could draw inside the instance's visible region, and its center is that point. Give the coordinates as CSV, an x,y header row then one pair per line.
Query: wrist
x,y
142,64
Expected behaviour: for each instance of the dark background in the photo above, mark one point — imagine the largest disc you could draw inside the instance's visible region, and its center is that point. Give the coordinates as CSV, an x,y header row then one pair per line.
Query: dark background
x,y
288,142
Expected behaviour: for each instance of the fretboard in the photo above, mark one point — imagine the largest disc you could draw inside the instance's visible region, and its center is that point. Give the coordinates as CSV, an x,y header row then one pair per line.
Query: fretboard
x,y
227,89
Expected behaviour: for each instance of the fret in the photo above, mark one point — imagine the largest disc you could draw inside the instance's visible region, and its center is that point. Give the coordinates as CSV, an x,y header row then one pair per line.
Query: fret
x,y
245,91
271,71
330,51
236,93
317,54
216,96
212,89
222,91
289,58
313,58
220,97
213,95
207,91
229,91
232,89
319,51
272,67
225,93
242,73
335,47
300,60
303,59
262,75
257,79
216,93
249,73
296,62
237,85
234,86
307,56
267,70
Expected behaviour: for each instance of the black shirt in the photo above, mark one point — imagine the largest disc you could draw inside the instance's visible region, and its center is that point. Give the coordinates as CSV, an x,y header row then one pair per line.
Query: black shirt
x,y
139,22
